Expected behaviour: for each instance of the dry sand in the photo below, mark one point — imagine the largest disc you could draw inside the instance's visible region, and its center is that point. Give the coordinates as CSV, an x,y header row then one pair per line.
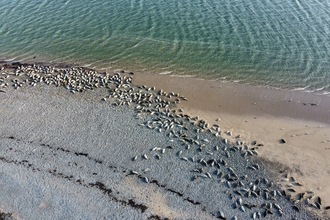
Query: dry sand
x,y
52,129
65,156
265,115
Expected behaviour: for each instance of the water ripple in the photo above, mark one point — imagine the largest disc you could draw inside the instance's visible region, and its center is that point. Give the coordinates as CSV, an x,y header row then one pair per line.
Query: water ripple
x,y
281,43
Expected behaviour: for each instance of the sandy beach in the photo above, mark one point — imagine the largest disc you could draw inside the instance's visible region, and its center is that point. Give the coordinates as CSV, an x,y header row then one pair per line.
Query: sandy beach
x,y
66,151
265,115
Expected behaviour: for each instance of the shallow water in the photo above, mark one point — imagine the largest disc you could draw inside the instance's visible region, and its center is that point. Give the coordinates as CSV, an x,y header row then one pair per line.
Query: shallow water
x,y
277,43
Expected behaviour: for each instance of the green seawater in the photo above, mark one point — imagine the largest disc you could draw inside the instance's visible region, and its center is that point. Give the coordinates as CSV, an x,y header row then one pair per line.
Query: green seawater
x,y
278,43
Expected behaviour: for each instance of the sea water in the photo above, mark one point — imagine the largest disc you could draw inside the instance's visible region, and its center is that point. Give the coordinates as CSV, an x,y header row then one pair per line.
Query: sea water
x,y
279,43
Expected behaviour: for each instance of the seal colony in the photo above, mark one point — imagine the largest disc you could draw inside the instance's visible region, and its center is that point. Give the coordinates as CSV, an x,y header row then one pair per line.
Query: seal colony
x,y
232,167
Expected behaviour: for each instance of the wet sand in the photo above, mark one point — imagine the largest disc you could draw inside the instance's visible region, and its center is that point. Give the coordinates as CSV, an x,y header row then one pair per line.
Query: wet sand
x,y
255,114
265,115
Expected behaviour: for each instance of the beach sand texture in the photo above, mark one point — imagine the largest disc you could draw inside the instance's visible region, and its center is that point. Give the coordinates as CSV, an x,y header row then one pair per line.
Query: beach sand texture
x,y
72,155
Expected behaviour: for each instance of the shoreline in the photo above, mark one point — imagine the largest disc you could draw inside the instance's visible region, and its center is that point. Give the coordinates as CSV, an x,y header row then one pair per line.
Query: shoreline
x,y
266,116
297,104
142,71
238,99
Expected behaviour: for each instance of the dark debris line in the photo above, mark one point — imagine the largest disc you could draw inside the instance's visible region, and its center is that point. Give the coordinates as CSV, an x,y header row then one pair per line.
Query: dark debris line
x,y
99,185
6,216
